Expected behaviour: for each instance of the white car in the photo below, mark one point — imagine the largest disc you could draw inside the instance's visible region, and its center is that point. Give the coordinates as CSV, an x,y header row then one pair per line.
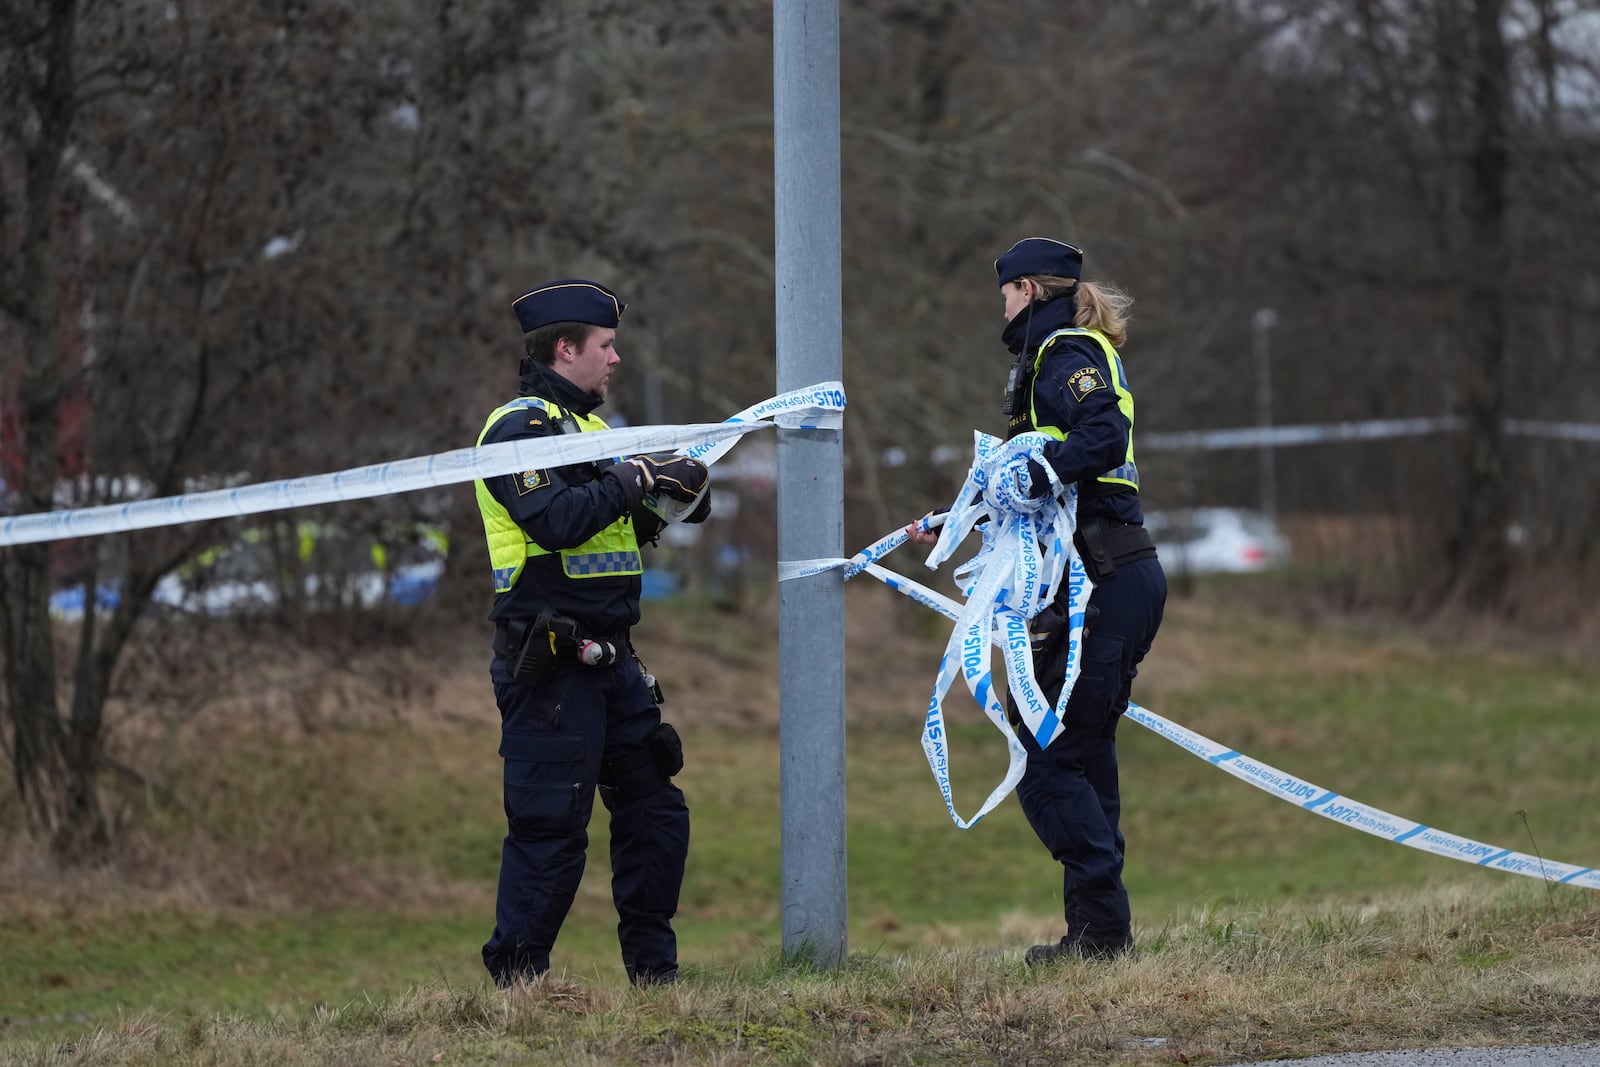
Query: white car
x,y
1216,540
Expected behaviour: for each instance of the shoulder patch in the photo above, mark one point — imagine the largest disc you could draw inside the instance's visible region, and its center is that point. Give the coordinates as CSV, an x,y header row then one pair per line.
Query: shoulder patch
x,y
528,481
1086,380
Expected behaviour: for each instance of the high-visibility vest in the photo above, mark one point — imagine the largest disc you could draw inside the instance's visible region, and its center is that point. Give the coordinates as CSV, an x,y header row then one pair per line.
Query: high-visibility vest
x,y
1125,473
611,552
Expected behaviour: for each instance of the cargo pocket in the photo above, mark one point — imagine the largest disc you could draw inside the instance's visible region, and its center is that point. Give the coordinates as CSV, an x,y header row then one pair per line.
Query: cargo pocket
x,y
545,791
1099,682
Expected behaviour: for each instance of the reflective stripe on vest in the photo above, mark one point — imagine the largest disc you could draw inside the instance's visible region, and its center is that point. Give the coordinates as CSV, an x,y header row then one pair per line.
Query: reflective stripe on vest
x,y
1125,473
614,550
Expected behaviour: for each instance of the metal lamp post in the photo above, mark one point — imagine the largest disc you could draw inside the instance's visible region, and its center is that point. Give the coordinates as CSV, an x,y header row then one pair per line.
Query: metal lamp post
x,y
1262,323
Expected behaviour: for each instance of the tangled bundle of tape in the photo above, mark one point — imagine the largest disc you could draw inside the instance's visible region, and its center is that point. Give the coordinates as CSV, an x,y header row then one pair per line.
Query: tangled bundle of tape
x,y
1025,552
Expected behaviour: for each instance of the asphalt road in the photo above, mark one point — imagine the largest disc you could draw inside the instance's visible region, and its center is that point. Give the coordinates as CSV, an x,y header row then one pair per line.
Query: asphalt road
x,y
1587,1055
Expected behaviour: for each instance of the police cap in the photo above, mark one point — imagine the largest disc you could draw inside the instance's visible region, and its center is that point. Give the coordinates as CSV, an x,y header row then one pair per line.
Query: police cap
x,y
568,300
1040,257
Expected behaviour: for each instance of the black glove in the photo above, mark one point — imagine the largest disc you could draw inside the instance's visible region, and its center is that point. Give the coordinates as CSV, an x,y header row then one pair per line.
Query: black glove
x,y
1038,480
678,477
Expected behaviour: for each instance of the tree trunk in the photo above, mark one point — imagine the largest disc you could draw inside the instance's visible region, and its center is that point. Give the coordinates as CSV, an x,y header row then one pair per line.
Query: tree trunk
x,y
30,682
1478,550
84,834
55,785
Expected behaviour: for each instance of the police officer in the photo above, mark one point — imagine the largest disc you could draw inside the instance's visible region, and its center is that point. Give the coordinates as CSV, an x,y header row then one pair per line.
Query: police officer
x,y
577,711
1068,382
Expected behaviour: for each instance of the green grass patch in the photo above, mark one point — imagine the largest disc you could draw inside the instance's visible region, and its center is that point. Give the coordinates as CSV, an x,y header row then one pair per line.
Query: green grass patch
x,y
1492,968
339,880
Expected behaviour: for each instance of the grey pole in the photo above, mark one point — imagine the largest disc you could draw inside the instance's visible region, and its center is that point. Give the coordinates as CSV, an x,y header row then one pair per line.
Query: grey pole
x,y
805,116
1262,322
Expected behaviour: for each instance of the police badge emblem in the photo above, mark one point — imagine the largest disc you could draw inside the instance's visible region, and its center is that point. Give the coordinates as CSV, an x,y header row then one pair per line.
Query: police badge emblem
x,y
528,481
1084,381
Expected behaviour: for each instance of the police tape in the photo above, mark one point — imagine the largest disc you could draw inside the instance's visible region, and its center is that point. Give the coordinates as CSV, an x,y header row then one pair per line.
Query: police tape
x,y
1006,583
1026,552
1363,817
1285,786
966,515
818,406
1364,430
815,407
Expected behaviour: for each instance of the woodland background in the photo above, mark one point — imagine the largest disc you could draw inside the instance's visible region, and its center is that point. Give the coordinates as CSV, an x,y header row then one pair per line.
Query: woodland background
x,y
274,238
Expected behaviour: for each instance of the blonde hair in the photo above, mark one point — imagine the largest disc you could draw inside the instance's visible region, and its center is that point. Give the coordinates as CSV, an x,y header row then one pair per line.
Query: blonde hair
x,y
1100,307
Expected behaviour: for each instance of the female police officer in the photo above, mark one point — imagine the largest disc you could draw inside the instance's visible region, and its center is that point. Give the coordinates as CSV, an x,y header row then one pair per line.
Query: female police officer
x,y
1068,382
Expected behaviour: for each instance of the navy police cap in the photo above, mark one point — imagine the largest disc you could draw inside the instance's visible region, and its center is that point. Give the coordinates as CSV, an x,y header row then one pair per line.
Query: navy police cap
x,y
568,300
1040,257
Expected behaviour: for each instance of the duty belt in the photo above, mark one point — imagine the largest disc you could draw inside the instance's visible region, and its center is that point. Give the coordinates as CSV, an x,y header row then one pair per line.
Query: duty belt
x,y
1104,543
508,635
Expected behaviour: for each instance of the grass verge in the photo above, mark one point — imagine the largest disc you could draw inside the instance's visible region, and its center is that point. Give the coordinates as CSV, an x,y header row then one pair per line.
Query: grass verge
x,y
328,878
1461,967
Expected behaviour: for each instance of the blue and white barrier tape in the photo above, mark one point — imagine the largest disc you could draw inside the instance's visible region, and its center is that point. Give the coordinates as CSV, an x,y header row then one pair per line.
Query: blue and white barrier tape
x,y
815,406
1364,430
1281,784
1006,584
1280,436
1003,630
1560,431
1340,809
934,736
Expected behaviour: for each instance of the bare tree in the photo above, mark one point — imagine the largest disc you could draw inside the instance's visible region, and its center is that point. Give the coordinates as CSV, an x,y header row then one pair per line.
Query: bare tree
x,y
320,215
222,322
1429,227
40,96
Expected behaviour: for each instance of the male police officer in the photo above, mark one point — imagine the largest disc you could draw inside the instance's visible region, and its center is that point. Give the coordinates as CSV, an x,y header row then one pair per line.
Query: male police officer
x,y
576,709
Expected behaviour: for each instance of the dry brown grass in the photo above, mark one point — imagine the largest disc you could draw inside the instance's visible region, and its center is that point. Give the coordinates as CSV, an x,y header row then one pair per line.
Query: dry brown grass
x,y
193,703
1450,968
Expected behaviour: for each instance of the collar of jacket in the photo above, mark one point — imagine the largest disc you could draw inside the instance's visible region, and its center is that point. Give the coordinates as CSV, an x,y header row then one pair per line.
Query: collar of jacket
x,y
540,380
1036,322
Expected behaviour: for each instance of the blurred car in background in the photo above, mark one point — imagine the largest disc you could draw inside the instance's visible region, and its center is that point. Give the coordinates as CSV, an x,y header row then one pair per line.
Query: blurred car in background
x,y
319,566
1216,540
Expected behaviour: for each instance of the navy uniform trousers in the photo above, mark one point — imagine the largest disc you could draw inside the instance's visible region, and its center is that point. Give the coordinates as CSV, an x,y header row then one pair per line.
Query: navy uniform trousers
x,y
1069,791
554,739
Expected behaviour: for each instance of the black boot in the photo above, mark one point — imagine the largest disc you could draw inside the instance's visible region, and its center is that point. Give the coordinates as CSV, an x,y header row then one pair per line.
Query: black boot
x,y
1077,946
1104,948
665,976
1044,955
512,978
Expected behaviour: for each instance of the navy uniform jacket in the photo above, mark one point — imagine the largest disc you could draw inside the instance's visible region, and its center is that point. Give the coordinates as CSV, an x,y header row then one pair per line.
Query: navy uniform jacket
x,y
1097,431
571,505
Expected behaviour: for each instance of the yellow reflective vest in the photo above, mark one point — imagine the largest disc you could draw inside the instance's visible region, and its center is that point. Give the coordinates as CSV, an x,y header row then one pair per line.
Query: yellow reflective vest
x,y
1125,473
612,552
